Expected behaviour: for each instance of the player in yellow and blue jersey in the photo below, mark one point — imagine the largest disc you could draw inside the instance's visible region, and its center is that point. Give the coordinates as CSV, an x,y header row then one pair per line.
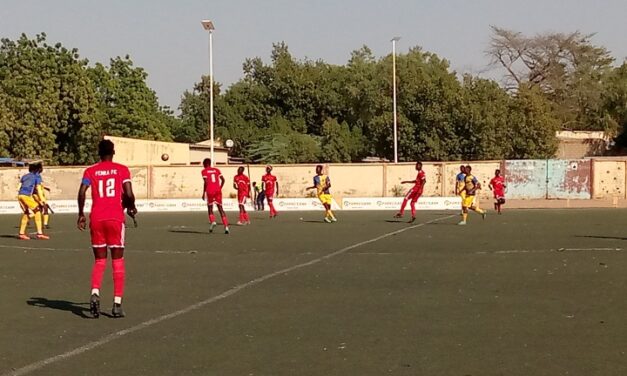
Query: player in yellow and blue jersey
x,y
471,186
322,183
30,184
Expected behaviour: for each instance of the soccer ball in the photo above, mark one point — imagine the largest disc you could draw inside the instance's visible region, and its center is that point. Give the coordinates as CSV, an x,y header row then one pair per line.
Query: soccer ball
x,y
165,157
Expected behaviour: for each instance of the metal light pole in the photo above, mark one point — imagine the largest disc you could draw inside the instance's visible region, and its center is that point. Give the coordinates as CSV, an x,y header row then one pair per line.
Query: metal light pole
x,y
394,40
208,25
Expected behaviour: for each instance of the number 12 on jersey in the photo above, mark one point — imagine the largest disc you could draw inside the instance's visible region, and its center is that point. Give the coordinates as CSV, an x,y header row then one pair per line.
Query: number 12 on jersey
x,y
106,188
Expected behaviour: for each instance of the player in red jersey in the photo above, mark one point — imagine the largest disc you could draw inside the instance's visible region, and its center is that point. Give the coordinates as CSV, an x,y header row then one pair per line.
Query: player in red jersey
x,y
242,184
414,193
497,186
271,186
212,190
111,192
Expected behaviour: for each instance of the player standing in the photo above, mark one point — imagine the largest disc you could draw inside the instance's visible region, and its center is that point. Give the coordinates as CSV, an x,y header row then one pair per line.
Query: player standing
x,y
270,186
459,181
42,200
111,192
242,184
212,190
322,183
497,186
471,186
30,186
414,193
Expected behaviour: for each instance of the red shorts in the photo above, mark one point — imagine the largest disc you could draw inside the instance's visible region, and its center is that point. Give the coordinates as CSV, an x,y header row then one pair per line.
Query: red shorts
x,y
269,196
242,198
413,195
498,195
214,198
107,234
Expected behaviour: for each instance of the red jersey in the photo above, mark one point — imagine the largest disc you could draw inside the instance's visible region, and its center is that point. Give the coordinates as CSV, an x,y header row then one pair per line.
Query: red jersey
x,y
243,185
211,175
270,182
106,180
498,185
420,178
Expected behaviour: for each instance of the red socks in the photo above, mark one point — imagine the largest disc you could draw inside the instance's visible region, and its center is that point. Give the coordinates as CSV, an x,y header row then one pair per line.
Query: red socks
x,y
97,272
225,221
119,273
272,209
413,209
212,218
402,211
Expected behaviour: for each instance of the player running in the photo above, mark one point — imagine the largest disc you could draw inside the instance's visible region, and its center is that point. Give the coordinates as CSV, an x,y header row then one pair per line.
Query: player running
x,y
111,192
270,186
414,193
30,185
212,190
471,186
322,183
242,184
497,186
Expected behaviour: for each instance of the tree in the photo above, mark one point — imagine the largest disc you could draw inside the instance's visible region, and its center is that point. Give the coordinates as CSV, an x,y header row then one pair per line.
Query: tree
x,y
128,107
567,68
49,102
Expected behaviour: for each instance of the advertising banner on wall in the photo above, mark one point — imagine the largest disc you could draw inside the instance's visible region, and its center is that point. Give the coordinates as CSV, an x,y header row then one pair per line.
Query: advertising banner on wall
x,y
394,203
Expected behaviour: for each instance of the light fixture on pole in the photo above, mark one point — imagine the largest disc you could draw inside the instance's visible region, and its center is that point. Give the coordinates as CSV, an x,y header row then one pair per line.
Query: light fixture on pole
x,y
394,40
208,25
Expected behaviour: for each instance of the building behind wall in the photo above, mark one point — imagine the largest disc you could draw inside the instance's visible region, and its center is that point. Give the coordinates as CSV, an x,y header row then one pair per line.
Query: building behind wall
x,y
581,144
137,152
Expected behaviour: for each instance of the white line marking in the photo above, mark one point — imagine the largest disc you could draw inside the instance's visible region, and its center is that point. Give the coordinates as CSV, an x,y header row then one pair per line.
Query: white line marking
x,y
88,249
113,336
514,251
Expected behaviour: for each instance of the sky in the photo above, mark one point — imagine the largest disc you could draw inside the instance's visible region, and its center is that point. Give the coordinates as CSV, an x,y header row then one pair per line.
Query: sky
x,y
165,37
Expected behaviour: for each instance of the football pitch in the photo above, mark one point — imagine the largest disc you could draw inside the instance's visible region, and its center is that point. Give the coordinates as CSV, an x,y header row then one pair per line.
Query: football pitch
x,y
533,292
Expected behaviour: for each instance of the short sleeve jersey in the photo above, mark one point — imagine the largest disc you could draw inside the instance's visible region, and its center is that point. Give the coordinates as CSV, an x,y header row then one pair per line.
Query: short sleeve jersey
x,y
322,183
243,184
470,184
106,180
270,184
498,184
28,183
420,178
460,181
211,175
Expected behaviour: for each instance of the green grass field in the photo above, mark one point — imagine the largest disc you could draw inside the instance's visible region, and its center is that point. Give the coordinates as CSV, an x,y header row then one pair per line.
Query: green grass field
x,y
526,293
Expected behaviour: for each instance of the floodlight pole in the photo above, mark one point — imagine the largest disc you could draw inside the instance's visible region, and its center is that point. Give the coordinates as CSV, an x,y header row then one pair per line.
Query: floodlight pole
x,y
394,40
208,25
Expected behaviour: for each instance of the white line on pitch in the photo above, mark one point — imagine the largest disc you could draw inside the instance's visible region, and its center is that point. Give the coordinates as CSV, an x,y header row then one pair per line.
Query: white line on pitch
x,y
113,336
514,251
87,249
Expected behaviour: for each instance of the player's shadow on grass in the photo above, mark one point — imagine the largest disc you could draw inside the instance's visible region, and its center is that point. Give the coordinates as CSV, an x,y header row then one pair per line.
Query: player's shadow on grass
x,y
79,309
602,237
6,236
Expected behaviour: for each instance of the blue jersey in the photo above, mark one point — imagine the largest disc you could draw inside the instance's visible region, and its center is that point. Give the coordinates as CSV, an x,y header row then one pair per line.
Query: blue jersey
x,y
29,182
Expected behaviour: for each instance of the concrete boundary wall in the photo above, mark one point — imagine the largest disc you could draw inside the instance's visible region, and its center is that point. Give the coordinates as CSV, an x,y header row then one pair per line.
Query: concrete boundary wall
x,y
599,178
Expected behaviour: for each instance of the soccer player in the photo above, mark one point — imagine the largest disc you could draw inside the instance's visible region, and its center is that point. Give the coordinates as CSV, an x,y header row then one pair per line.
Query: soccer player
x,y
322,183
30,185
497,186
242,184
414,193
111,192
270,186
40,197
459,181
259,197
212,190
471,186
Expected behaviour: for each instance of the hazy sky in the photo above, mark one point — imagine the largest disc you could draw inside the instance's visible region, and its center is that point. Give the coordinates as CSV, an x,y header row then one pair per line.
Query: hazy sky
x,y
166,38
